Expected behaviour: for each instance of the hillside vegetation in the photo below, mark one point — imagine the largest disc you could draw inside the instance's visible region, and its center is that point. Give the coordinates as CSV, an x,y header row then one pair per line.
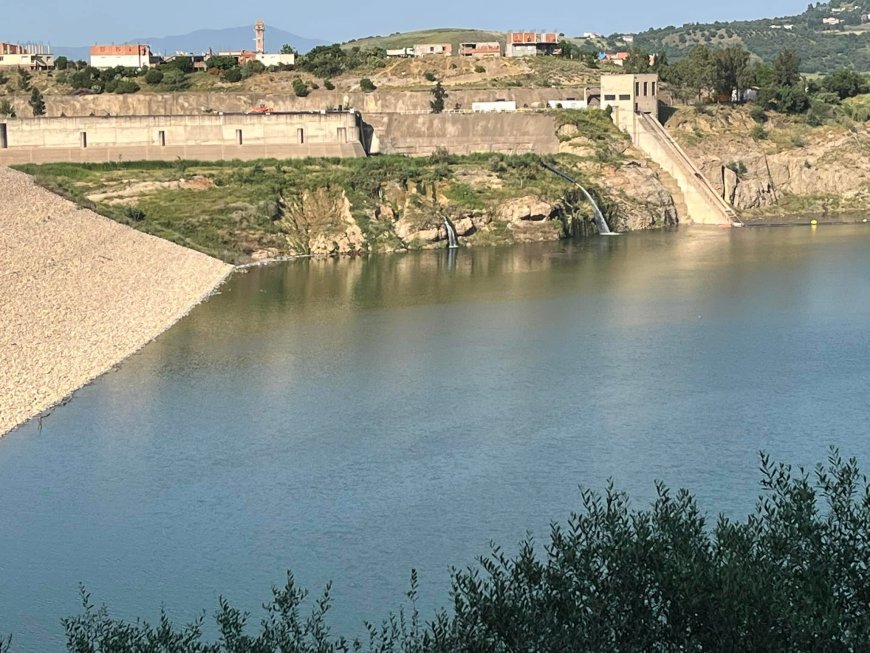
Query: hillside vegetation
x,y
823,48
454,36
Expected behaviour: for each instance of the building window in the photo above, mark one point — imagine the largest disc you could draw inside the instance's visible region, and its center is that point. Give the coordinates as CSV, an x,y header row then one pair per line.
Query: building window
x,y
238,137
609,98
4,143
161,138
637,88
645,89
653,88
300,136
625,98
84,139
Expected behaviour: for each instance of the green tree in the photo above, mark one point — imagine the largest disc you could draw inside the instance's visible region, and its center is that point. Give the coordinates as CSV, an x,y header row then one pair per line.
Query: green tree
x,y
729,71
61,63
695,73
221,62
438,97
366,85
6,109
786,68
37,103
845,83
637,62
288,49
182,63
24,78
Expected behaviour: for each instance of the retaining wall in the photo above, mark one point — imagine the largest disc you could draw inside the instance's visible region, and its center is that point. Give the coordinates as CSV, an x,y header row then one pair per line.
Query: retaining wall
x,y
422,134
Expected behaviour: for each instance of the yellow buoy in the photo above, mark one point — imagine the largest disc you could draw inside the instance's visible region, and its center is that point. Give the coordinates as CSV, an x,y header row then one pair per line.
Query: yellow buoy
x,y
814,222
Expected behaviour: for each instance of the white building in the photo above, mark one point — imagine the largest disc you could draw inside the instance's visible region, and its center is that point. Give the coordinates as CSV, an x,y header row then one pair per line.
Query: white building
x,y
567,104
276,59
493,107
129,56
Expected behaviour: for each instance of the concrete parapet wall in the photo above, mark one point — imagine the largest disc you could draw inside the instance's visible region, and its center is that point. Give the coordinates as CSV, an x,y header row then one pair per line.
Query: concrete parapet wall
x,y
509,133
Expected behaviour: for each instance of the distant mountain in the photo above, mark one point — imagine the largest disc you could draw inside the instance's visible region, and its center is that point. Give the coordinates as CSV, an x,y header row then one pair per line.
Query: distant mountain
x,y
232,38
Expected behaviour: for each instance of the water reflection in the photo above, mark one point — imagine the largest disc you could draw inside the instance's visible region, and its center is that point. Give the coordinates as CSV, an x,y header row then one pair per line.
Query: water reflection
x,y
354,419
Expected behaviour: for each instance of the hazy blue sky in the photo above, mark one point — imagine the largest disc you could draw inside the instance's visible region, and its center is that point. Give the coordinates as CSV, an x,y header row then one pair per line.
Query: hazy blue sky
x,y
81,23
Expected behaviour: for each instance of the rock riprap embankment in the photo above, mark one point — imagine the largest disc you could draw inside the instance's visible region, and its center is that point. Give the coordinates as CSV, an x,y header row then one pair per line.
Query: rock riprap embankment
x,y
79,293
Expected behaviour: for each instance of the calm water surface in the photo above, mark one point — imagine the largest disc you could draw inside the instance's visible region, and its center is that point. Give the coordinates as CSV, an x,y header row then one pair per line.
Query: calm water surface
x,y
351,420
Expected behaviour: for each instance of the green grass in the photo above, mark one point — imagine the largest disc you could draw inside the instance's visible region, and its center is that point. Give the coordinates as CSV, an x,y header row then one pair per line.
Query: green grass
x,y
234,209
454,36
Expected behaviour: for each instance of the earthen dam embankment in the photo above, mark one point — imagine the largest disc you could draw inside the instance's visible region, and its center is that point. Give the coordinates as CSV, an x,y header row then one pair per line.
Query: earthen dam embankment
x,y
79,293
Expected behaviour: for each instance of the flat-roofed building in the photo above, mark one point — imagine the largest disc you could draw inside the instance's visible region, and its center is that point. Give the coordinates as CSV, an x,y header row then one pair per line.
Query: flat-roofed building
x,y
29,57
424,49
129,56
485,50
532,44
276,59
497,106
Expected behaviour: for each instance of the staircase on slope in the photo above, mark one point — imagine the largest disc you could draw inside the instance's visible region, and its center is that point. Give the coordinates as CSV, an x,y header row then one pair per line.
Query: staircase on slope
x,y
670,184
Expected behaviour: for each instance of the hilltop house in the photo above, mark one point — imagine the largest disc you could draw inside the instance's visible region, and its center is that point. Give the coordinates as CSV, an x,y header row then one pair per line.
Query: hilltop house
x,y
488,49
128,56
532,44
29,57
424,49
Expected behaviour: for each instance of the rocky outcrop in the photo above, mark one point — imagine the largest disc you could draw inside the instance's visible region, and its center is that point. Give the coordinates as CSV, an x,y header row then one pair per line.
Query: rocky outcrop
x,y
640,199
320,223
824,166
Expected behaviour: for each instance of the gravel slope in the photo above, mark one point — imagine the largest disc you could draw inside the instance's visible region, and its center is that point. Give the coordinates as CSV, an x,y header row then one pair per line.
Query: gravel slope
x,y
79,293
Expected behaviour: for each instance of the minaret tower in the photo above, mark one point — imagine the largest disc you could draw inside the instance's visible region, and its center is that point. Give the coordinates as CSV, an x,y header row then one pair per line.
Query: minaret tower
x,y
260,36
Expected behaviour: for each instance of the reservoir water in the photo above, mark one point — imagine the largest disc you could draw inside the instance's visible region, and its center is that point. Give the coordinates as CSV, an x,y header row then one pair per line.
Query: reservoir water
x,y
351,420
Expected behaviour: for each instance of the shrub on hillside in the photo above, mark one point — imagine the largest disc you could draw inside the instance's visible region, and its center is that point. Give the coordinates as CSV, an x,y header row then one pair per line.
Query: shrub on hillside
x,y
328,85
367,85
300,88
125,86
232,75
153,76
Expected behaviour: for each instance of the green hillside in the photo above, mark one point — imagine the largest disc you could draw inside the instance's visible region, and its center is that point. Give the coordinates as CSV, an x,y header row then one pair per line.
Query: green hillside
x,y
455,36
823,48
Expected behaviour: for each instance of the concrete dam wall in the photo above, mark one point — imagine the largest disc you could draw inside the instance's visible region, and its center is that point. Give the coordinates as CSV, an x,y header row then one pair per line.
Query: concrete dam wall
x,y
423,134
206,137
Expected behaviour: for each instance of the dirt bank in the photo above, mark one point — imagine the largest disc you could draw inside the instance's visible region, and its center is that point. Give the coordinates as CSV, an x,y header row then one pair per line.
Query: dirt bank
x,y
79,293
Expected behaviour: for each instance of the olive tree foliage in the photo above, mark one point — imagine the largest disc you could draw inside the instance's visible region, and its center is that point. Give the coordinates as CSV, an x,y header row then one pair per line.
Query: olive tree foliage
x,y
792,576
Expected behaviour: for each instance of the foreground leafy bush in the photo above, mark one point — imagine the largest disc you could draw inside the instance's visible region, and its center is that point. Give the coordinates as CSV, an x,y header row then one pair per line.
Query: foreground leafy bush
x,y
793,576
